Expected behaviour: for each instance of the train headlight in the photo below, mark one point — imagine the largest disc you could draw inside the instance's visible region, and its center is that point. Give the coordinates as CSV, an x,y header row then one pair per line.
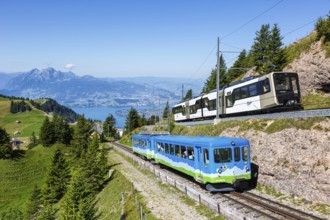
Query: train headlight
x,y
233,143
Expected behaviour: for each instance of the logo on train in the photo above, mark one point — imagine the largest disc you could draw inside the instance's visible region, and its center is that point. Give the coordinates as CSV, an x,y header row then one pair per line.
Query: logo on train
x,y
222,169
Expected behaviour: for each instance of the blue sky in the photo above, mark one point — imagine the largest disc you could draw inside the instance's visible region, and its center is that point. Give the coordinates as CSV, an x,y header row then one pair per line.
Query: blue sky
x,y
108,38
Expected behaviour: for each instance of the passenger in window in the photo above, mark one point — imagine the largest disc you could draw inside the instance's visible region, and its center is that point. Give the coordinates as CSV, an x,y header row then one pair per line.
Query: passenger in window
x,y
191,157
184,155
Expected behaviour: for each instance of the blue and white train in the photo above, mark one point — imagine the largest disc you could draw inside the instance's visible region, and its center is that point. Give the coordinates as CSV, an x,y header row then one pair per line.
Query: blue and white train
x,y
248,96
218,163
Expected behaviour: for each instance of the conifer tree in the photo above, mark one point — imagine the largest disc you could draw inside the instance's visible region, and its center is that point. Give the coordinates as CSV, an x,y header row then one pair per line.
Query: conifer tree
x,y
34,203
5,149
81,136
242,62
260,49
109,126
188,95
165,112
47,133
132,120
211,83
276,51
58,178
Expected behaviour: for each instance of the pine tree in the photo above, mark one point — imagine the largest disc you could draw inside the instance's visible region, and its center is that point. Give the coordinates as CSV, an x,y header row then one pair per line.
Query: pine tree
x,y
5,149
81,136
109,126
242,62
63,132
322,28
47,213
211,82
58,178
34,203
47,133
260,49
166,109
276,51
132,120
188,95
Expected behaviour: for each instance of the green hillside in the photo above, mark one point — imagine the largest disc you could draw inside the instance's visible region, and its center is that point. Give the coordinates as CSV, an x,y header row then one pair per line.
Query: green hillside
x,y
29,121
18,177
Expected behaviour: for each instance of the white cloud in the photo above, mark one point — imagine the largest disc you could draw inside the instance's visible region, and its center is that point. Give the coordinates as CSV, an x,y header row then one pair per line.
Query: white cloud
x,y
69,66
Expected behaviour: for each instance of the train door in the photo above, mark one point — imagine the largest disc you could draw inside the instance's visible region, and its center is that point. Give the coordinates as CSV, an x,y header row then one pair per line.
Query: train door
x,y
198,164
241,158
202,161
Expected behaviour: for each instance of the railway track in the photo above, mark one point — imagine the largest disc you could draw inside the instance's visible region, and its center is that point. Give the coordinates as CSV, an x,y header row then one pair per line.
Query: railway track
x,y
251,206
285,211
292,114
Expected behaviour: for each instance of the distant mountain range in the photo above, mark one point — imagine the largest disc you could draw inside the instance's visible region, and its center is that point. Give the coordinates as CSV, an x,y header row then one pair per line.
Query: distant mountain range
x,y
86,91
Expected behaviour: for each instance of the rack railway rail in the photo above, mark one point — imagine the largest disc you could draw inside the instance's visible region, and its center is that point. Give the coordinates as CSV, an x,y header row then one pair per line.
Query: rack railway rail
x,y
292,114
247,205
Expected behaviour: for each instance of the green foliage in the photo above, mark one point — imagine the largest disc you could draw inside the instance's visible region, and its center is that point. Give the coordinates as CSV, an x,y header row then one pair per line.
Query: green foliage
x,y
19,177
81,136
132,121
211,82
63,132
267,52
34,203
58,178
294,50
5,148
50,105
265,125
322,28
312,101
47,133
108,200
238,69
188,95
47,213
109,126
19,106
166,110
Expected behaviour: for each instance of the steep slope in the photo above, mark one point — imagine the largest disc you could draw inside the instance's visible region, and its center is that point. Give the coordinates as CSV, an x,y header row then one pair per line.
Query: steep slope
x,y
314,70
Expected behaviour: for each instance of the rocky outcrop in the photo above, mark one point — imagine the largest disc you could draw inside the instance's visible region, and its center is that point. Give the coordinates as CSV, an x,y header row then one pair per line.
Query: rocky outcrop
x,y
314,70
294,162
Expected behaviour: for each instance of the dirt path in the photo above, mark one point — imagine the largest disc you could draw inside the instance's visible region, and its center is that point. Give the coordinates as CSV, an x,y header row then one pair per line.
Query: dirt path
x,y
161,201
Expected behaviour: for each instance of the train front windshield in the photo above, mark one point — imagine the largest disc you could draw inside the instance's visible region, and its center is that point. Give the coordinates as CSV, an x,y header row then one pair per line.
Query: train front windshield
x,y
287,88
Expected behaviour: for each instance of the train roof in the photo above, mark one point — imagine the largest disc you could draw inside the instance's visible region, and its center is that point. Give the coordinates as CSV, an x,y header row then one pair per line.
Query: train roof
x,y
202,140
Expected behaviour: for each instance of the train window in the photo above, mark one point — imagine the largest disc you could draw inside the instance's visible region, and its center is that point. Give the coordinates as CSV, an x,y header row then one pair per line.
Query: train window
x,y
212,105
160,147
171,149
253,89
244,92
229,100
237,154
177,151
245,154
206,103
282,83
167,149
222,155
265,86
206,156
183,152
198,104
191,155
294,85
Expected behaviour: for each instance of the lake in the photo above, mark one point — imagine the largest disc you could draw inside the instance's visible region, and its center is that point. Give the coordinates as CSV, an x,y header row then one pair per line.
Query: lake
x,y
119,113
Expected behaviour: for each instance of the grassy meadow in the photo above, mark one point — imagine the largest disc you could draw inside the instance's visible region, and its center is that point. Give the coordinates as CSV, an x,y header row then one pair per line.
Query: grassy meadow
x,y
19,175
30,121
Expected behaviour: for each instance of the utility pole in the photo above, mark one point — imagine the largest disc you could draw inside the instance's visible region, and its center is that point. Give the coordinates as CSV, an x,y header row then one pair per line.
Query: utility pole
x,y
182,91
218,79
